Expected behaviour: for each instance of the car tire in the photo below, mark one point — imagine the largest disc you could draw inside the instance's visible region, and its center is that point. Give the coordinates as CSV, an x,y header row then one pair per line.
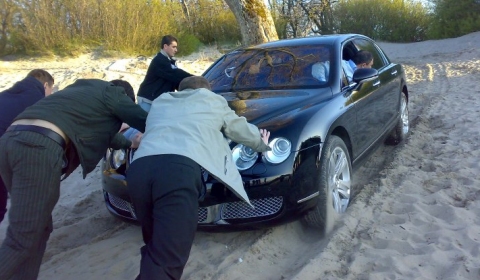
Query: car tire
x,y
334,185
402,127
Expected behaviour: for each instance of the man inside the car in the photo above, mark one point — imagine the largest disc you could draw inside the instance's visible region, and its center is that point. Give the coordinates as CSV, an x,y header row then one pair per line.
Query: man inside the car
x,y
185,132
362,59
321,70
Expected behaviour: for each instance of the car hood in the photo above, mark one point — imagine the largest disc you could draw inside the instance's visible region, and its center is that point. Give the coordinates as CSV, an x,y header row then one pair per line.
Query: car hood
x,y
259,106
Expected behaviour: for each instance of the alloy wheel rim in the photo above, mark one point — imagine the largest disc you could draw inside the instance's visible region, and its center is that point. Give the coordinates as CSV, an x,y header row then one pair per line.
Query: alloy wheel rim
x,y
404,116
339,181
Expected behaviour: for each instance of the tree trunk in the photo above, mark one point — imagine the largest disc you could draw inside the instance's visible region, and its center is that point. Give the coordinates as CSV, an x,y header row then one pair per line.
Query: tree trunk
x,y
186,13
7,10
255,20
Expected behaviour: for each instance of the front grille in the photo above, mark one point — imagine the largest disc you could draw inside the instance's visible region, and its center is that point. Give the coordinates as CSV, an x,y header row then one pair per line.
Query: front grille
x,y
125,206
241,210
234,210
118,202
122,205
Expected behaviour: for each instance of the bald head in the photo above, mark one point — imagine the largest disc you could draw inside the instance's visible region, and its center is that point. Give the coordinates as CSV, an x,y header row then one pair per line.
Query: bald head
x,y
194,82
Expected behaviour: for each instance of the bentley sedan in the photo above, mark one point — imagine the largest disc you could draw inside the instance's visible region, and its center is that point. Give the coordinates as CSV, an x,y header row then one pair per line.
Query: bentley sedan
x,y
325,114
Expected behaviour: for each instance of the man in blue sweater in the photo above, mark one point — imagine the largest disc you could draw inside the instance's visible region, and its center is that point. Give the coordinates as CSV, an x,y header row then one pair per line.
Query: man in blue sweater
x,y
37,85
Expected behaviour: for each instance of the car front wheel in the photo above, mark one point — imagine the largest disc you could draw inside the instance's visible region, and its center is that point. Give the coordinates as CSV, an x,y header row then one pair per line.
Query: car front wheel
x,y
334,185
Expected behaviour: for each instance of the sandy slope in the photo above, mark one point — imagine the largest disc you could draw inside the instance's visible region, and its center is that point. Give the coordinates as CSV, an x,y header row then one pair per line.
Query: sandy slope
x,y
415,214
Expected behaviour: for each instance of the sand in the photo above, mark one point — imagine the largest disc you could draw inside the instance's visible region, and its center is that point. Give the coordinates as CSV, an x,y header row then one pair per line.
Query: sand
x,y
416,213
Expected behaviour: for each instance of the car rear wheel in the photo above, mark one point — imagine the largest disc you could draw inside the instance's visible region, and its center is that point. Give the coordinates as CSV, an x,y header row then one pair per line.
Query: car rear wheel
x,y
401,129
334,185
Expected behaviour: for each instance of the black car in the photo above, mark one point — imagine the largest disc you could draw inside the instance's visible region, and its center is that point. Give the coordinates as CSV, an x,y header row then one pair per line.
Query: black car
x,y
320,128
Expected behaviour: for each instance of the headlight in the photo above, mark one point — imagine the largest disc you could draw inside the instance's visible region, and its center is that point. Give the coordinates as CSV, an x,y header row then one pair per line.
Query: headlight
x,y
244,157
281,149
117,158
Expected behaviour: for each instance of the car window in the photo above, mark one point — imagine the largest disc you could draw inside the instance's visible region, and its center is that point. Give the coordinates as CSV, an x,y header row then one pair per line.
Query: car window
x,y
344,79
268,68
378,59
348,53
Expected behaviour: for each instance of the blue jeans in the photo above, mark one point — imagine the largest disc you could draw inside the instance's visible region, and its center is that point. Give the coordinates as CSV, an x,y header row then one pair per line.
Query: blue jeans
x,y
143,102
130,133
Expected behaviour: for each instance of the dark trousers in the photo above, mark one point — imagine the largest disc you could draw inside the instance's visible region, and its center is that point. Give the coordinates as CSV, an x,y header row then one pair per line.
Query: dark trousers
x,y
3,199
164,190
30,165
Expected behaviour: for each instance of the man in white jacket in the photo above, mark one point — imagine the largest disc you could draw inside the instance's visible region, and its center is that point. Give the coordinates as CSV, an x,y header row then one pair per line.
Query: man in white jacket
x,y
185,131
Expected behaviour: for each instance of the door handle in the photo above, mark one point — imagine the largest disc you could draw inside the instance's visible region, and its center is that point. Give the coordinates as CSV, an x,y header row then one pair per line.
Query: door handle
x,y
376,83
394,73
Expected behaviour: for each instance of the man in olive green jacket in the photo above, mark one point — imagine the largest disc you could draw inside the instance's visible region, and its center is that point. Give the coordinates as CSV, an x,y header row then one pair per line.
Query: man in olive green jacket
x,y
72,127
185,131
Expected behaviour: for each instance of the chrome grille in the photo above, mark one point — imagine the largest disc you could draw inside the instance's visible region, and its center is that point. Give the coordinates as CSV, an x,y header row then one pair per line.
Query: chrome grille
x,y
234,210
122,205
241,210
128,207
118,202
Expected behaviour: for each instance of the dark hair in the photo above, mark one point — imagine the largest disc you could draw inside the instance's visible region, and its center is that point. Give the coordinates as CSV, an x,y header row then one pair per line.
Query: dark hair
x,y
167,39
42,76
362,57
194,82
127,86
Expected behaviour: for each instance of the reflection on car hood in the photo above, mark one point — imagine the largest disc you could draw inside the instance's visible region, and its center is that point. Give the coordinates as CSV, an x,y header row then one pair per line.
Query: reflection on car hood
x,y
259,106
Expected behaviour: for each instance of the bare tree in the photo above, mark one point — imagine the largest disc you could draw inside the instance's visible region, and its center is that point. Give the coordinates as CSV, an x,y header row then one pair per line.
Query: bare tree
x,y
7,11
297,22
186,13
255,20
305,17
321,14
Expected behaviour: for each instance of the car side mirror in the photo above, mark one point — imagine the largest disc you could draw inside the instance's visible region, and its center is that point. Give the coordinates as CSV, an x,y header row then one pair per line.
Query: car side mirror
x,y
364,74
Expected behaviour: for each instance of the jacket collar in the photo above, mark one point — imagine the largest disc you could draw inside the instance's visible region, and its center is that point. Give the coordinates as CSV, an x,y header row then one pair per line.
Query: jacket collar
x,y
167,56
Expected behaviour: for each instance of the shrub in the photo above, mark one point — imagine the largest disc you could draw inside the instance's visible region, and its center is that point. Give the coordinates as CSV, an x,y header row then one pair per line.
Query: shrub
x,y
188,44
453,18
388,20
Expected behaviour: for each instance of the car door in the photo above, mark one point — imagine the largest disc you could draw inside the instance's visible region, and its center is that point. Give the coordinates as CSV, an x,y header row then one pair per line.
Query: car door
x,y
367,128
387,86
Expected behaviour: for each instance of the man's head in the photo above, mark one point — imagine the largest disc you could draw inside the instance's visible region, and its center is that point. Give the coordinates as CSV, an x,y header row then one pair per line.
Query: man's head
x,y
169,45
194,82
43,77
127,86
363,59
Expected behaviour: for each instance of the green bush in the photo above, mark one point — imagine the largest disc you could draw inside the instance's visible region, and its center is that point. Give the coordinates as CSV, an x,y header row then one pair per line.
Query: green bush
x,y
64,27
453,18
213,22
388,20
187,44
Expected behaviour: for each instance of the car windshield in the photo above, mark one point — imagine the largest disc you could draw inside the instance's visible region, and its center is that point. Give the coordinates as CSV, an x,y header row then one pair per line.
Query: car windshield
x,y
268,68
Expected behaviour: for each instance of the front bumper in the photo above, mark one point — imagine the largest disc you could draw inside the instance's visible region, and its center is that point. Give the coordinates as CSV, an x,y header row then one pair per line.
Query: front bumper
x,y
276,198
271,205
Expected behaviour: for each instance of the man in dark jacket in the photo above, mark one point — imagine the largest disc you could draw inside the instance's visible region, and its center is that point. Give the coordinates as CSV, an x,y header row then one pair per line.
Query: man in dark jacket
x,y
79,122
24,93
163,75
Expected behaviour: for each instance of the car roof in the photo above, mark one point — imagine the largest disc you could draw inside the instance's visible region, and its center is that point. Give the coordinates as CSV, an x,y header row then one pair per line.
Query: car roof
x,y
311,40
